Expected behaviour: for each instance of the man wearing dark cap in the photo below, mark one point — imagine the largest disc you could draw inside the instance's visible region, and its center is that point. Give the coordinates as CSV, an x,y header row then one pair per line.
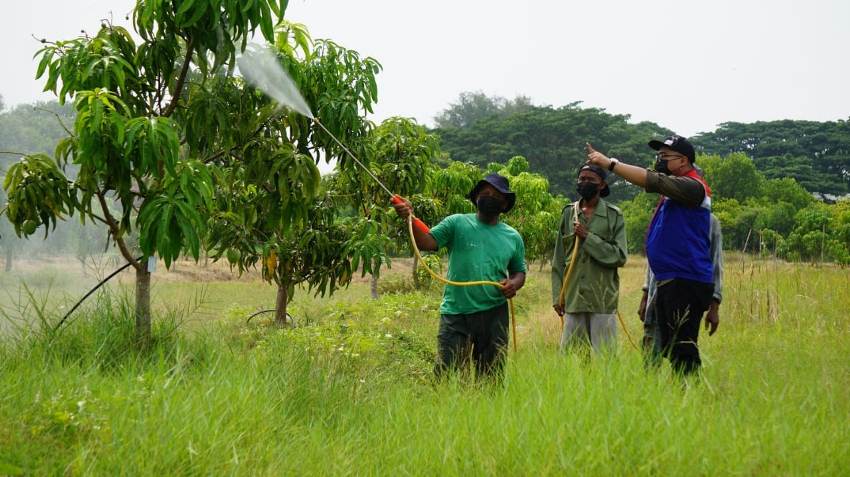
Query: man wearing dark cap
x,y
588,304
677,244
646,309
474,320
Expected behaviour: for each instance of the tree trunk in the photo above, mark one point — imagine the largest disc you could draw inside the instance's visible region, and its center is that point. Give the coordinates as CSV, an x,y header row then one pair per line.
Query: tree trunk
x,y
374,286
280,306
143,304
9,257
416,283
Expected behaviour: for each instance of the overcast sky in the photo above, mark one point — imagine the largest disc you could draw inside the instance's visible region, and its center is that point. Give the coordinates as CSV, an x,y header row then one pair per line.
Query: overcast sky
x,y
686,65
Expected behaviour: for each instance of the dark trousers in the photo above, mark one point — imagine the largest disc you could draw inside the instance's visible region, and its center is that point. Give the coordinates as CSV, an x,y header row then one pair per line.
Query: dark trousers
x,y
481,337
680,305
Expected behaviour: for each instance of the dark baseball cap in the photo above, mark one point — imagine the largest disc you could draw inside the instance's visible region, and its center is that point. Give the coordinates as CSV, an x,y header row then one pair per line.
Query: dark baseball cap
x,y
602,173
678,144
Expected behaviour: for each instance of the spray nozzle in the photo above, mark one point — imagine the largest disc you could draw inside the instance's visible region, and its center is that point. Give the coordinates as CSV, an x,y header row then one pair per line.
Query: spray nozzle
x,y
417,224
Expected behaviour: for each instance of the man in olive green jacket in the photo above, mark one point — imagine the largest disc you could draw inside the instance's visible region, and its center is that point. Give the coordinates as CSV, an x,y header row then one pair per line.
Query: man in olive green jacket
x,y
590,299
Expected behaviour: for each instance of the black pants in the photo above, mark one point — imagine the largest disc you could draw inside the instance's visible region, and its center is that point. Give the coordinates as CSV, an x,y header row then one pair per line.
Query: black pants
x,y
680,305
481,337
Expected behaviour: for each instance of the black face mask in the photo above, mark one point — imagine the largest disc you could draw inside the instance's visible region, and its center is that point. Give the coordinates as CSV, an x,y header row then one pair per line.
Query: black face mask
x,y
587,190
661,166
489,206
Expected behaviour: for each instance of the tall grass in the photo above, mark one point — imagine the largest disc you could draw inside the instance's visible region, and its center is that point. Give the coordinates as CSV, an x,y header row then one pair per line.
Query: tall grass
x,y
349,392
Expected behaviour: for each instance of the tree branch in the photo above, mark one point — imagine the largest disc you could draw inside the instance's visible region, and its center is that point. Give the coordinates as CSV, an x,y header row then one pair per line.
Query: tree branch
x,y
89,213
61,49
156,99
247,140
57,118
114,230
178,87
95,216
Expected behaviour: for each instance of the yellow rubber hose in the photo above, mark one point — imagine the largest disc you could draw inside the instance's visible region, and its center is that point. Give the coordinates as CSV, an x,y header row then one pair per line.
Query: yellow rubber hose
x,y
569,271
626,330
446,281
568,274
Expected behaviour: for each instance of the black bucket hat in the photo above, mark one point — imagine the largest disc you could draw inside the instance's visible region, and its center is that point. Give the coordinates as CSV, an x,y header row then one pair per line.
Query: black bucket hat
x,y
602,173
501,185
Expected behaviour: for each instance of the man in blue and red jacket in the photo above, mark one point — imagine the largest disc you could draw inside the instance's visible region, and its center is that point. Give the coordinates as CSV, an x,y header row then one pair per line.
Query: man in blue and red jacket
x,y
678,244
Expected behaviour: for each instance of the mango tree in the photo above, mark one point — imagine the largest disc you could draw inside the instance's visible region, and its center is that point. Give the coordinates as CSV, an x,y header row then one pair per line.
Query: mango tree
x,y
537,211
822,233
400,154
129,138
271,207
448,186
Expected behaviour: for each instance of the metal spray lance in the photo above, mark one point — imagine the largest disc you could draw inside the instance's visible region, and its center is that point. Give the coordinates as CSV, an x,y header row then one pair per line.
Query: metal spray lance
x,y
395,199
261,68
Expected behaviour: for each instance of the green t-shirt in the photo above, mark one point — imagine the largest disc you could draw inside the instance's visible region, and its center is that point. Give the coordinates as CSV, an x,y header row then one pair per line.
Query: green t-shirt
x,y
477,251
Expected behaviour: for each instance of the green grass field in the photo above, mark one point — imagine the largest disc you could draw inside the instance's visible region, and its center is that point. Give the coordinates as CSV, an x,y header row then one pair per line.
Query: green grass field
x,y
349,390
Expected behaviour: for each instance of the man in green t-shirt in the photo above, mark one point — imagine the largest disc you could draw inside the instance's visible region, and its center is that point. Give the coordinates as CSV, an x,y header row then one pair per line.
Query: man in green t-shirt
x,y
474,319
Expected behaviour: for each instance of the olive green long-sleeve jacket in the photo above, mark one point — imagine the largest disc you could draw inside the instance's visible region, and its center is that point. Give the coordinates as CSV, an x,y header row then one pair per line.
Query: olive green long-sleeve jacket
x,y
595,283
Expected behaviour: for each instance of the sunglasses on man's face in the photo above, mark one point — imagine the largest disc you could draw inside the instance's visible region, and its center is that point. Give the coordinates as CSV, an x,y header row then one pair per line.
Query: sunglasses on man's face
x,y
669,157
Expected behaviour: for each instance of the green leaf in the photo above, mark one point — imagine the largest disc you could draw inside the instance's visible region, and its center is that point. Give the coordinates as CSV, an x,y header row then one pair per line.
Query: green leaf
x,y
266,25
199,12
184,7
45,62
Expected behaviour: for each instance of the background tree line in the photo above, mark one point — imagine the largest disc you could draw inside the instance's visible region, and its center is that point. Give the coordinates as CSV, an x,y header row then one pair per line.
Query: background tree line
x,y
481,129
780,187
761,208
